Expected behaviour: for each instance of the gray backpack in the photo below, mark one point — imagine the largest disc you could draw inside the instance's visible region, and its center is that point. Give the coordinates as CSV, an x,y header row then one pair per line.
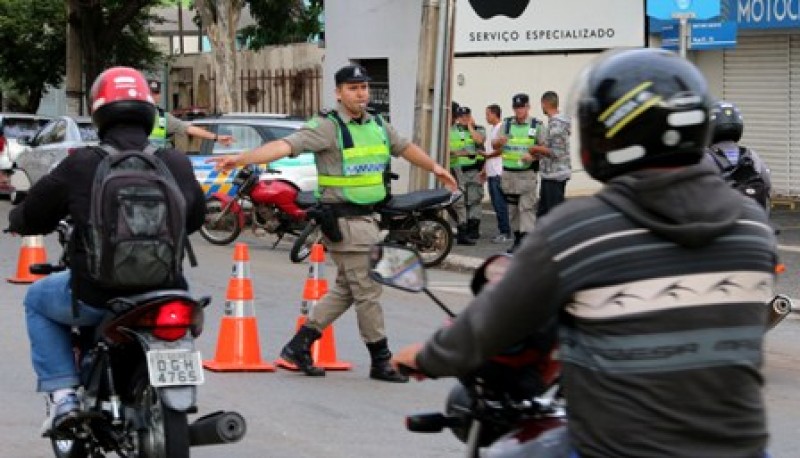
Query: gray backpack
x,y
137,222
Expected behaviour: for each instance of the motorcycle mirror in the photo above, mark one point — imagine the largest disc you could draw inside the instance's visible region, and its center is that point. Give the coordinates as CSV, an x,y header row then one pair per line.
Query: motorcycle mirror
x,y
397,266
490,272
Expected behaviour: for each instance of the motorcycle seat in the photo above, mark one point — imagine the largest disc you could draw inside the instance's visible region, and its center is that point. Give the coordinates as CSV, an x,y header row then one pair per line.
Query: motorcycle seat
x,y
417,200
306,199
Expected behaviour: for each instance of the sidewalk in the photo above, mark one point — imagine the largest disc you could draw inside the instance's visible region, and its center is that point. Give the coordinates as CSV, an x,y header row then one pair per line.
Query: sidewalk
x,y
467,258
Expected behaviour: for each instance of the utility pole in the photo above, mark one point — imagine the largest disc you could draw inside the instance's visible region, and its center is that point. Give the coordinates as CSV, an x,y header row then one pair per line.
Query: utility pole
x,y
432,109
74,83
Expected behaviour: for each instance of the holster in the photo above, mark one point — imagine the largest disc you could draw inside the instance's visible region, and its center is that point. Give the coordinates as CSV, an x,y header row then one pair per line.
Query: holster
x,y
329,223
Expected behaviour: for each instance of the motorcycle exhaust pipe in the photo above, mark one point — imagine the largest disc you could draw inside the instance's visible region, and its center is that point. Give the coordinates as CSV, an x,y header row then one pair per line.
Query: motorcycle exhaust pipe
x,y
779,308
217,428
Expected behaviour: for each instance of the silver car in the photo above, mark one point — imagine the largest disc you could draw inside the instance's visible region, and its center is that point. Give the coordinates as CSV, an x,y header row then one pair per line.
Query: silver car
x,y
53,143
14,126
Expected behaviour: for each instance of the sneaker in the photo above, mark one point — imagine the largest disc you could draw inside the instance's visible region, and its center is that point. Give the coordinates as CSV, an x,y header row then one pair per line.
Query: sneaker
x,y
61,415
501,238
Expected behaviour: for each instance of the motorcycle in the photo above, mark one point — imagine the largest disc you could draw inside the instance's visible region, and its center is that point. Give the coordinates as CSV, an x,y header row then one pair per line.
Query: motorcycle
x,y
490,410
139,375
513,399
269,205
413,219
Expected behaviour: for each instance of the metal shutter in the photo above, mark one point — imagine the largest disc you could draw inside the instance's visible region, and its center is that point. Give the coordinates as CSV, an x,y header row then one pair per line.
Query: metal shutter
x,y
757,78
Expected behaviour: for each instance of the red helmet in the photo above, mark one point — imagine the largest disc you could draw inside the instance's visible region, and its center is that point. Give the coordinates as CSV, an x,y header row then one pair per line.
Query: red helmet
x,y
120,95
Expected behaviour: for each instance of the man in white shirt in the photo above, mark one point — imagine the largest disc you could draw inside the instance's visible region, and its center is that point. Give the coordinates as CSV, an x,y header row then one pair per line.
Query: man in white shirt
x,y
493,170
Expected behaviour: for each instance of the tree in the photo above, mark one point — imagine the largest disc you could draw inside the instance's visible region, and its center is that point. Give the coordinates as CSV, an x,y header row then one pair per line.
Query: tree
x,y
115,32
220,19
32,54
282,21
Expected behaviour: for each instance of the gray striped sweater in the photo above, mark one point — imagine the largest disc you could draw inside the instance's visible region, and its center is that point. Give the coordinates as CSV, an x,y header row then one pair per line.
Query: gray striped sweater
x,y
658,284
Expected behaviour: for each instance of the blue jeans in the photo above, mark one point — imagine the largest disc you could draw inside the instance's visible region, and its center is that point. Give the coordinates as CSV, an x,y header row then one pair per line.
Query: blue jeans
x,y
48,316
499,204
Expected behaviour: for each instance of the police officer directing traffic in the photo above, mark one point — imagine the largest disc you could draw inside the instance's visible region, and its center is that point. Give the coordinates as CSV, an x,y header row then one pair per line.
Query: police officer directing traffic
x,y
352,150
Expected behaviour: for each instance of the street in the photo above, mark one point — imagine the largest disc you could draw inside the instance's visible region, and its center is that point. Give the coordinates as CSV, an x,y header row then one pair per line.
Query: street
x,y
344,414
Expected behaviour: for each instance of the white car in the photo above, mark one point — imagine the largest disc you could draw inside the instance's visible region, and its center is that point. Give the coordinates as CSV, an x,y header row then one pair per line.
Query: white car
x,y
14,126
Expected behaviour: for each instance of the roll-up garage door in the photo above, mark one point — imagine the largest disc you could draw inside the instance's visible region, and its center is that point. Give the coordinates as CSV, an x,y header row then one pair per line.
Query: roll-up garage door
x,y
762,77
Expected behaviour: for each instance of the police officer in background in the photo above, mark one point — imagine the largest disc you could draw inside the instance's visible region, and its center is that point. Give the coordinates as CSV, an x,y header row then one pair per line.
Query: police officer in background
x,y
466,163
517,138
352,150
167,125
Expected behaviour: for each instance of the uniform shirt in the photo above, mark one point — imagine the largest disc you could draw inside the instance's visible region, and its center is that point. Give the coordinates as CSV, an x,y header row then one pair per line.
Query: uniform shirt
x,y
321,137
494,165
556,166
175,125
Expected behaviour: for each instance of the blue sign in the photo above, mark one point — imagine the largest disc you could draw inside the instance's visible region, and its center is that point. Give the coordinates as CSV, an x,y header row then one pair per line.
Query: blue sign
x,y
664,9
760,14
704,35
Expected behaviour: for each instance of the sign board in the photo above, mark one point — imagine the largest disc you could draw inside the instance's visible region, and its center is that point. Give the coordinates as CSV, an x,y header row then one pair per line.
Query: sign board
x,y
765,14
498,26
704,35
665,9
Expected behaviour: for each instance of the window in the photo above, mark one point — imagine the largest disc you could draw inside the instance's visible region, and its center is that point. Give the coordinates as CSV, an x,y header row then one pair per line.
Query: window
x,y
17,127
88,132
44,135
244,138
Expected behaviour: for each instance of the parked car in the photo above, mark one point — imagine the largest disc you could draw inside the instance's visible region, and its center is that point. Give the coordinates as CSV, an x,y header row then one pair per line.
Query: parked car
x,y
250,130
14,126
50,145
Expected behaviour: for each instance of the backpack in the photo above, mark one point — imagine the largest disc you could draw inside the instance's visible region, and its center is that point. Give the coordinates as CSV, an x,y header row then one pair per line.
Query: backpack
x,y
531,134
137,222
743,175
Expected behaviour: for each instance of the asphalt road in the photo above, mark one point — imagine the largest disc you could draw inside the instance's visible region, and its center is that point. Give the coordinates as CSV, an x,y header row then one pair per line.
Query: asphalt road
x,y
344,414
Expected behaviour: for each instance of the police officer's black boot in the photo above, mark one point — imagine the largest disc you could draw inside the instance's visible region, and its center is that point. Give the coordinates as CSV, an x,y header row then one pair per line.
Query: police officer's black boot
x,y
517,240
461,235
381,367
298,351
473,228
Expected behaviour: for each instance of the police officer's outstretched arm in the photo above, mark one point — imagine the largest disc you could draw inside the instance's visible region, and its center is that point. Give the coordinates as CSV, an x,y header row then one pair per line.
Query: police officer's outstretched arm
x,y
414,154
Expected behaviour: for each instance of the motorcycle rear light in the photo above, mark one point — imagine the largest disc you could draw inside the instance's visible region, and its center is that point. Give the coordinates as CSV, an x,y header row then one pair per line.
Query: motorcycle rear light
x,y
172,320
167,321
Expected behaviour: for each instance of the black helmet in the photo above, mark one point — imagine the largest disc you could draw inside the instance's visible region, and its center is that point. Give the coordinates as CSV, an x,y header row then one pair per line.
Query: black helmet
x,y
640,108
726,122
120,95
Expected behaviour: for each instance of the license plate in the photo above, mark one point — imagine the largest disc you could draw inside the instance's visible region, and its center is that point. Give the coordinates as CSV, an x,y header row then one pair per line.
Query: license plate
x,y
174,367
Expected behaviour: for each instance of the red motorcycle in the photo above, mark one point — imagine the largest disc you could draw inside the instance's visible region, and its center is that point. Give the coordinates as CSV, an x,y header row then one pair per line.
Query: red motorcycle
x,y
269,206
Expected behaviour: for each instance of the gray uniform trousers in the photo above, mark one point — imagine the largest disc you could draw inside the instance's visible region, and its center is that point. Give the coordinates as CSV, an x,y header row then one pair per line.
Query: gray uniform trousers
x,y
353,285
520,190
474,193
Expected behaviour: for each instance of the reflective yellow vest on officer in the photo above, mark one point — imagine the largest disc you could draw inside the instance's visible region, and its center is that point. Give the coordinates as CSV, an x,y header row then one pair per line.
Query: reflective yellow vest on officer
x,y
520,138
158,136
365,157
461,140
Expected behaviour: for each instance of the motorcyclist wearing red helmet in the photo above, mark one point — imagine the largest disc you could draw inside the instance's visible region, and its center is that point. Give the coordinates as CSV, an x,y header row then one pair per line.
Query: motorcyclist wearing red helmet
x,y
658,283
123,112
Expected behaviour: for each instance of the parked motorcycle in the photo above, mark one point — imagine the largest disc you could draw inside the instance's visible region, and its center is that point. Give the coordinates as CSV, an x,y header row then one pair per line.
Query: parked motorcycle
x,y
513,399
413,219
268,205
139,374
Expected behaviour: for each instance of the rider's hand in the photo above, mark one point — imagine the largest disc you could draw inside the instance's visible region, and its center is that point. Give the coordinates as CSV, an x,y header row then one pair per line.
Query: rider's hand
x,y
224,162
226,140
406,359
445,177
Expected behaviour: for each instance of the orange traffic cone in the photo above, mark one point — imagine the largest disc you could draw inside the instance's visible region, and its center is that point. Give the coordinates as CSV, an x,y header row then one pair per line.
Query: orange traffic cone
x,y
31,252
237,345
323,351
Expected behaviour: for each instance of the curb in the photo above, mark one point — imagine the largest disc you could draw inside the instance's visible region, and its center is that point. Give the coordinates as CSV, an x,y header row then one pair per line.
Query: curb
x,y
460,263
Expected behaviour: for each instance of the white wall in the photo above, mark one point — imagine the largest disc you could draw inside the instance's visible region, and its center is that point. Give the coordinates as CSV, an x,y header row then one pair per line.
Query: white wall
x,y
495,79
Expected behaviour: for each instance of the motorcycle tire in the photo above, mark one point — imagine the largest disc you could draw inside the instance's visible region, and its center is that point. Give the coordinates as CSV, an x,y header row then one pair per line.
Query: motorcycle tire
x,y
69,448
301,248
166,432
220,229
433,240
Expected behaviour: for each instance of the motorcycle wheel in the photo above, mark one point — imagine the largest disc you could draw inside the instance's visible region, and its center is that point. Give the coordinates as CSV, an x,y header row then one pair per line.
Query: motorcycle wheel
x,y
433,239
220,228
166,432
301,248
69,448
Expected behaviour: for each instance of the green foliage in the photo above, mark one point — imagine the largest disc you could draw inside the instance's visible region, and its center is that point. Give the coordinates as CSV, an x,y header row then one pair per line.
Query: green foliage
x,y
282,22
32,47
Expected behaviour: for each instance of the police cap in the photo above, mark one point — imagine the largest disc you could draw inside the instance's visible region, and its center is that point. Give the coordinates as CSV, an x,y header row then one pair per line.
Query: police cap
x,y
351,74
463,111
519,100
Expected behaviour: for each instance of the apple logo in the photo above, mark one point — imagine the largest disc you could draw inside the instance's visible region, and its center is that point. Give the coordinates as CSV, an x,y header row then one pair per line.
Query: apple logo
x,y
490,8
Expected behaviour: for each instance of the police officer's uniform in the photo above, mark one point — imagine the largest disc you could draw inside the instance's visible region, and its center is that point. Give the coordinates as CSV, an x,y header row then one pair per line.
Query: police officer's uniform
x,y
466,170
351,158
519,179
166,125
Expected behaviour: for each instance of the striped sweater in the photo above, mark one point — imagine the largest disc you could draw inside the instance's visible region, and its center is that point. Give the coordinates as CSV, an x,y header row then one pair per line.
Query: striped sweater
x,y
658,284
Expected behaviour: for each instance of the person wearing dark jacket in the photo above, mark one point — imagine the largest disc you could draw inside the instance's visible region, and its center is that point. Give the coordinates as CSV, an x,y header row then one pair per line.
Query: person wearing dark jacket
x,y
123,111
658,283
